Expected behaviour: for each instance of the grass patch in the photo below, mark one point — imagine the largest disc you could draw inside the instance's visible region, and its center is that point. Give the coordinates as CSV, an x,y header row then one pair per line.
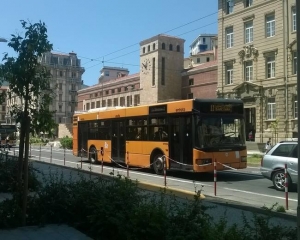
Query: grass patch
x,y
254,159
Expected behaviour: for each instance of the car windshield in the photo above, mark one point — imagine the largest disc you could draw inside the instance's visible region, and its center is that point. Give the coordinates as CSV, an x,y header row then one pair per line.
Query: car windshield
x,y
219,131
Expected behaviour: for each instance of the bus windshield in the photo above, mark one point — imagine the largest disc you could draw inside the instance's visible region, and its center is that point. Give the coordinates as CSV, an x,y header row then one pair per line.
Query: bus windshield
x,y
219,131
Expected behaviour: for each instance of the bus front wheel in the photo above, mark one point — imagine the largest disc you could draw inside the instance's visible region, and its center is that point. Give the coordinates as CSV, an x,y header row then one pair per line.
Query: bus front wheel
x,y
158,164
93,155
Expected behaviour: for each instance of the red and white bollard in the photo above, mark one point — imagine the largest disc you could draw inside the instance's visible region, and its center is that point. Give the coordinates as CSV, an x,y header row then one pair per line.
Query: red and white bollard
x,y
102,153
165,170
127,163
286,187
215,177
64,156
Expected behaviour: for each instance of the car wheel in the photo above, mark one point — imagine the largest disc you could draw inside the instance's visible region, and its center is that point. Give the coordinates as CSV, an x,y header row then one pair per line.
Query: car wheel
x,y
158,164
279,180
93,155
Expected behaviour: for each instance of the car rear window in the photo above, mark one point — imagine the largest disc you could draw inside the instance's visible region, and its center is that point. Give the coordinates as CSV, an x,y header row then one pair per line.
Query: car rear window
x,y
283,150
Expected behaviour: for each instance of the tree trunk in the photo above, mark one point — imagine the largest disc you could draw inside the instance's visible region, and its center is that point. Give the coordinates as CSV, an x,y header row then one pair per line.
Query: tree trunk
x,y
25,190
21,153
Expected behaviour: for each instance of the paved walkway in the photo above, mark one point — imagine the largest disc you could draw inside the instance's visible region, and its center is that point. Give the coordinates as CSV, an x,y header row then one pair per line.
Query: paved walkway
x,y
49,232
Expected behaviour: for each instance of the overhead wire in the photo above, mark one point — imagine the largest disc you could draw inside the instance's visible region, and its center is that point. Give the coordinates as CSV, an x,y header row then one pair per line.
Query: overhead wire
x,y
131,45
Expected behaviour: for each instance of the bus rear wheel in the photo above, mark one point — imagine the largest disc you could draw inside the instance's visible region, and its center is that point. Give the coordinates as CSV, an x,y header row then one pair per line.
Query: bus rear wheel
x,y
158,164
93,155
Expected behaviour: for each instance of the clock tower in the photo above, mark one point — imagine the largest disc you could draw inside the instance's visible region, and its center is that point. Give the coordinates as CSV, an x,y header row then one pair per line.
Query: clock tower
x,y
161,63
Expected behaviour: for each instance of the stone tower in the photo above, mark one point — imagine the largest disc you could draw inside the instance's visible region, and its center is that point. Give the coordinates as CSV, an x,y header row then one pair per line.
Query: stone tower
x,y
161,63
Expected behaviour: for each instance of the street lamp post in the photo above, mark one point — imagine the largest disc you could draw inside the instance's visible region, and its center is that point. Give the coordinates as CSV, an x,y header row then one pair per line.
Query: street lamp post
x,y
298,105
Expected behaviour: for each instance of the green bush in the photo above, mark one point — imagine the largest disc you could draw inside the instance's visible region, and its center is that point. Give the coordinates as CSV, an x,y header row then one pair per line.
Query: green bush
x,y
8,174
33,140
66,142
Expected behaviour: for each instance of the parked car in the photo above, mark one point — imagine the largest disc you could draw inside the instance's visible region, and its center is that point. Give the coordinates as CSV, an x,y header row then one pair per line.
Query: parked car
x,y
273,164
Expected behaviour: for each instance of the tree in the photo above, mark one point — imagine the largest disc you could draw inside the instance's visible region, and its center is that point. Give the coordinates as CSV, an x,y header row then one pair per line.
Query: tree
x,y
29,81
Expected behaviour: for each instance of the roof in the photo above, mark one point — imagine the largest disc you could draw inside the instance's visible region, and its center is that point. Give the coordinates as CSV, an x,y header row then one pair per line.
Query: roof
x,y
158,37
114,68
204,66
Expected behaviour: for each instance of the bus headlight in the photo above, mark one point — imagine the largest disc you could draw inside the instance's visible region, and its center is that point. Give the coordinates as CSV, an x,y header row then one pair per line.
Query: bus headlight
x,y
204,161
244,159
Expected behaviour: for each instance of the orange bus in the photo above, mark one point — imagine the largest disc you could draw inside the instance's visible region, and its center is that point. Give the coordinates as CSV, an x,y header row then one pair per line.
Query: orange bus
x,y
191,134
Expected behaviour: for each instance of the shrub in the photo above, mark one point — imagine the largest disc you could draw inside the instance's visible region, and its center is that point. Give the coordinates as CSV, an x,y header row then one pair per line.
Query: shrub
x,y
66,142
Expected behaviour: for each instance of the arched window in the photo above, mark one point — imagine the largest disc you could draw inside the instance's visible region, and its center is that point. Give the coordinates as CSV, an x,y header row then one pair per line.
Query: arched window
x,y
171,47
178,48
144,49
153,46
163,46
149,48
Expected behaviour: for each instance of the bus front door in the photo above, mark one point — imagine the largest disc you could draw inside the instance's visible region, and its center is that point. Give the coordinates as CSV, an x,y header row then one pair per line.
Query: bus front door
x,y
82,138
181,143
118,146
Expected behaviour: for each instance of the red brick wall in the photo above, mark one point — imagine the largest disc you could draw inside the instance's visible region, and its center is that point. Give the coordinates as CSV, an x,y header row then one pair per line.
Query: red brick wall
x,y
205,84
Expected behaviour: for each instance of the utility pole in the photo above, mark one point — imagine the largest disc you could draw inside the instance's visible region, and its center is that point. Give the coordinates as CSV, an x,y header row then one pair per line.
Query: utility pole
x,y
298,105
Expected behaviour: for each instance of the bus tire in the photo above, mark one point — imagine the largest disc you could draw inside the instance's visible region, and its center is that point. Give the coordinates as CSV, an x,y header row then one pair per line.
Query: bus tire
x,y
93,155
158,164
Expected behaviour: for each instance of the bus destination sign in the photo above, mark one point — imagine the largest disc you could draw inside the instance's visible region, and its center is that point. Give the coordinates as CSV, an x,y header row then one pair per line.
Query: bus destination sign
x,y
158,109
221,108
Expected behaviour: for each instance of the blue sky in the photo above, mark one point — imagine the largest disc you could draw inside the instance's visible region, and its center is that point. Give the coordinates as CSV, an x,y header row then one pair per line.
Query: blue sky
x,y
109,29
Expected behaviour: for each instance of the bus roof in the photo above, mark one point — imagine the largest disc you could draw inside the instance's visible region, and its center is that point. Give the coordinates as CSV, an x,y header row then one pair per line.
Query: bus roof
x,y
151,109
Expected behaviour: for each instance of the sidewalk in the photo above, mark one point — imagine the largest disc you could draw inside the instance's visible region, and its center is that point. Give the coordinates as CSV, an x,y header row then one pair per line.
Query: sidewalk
x,y
57,232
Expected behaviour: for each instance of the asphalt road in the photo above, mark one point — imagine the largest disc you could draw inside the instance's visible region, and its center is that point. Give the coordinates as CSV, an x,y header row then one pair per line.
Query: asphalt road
x,y
246,186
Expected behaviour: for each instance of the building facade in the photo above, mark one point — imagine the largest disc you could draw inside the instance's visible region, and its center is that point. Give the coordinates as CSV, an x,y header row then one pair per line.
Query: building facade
x,y
66,80
257,63
203,43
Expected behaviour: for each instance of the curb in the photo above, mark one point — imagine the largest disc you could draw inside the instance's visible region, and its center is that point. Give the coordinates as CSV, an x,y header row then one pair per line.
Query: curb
x,y
170,191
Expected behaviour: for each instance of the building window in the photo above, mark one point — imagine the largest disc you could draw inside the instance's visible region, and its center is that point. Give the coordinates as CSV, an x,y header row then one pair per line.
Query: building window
x,y
153,46
249,32
88,106
92,105
103,103
191,82
229,37
229,74
73,87
178,48
60,97
106,73
153,71
229,6
248,3
294,19
198,60
249,71
207,59
113,91
163,46
271,67
170,47
271,114
60,86
190,96
148,48
122,101
163,71
296,109
119,90
116,102
60,73
294,62
270,25
129,101
107,92
97,104
136,100
144,50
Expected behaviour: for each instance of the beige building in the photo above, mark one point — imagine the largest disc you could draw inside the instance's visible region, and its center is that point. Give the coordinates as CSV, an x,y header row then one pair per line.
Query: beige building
x,y
66,80
257,63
